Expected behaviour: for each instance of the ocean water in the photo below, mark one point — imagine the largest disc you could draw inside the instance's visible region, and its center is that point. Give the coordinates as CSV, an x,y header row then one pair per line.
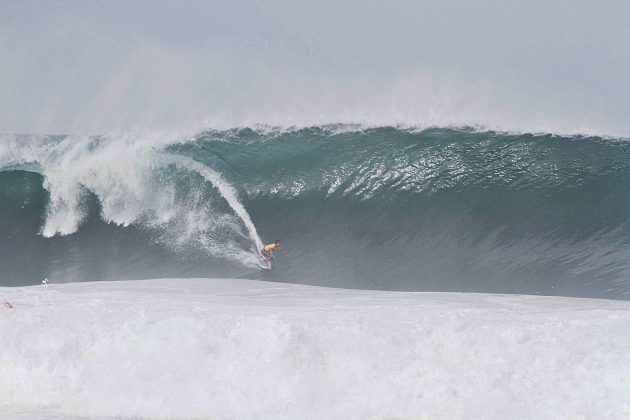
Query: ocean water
x,y
387,208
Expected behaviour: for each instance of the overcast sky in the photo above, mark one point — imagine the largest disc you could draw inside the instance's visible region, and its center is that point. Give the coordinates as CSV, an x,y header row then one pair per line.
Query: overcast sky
x,y
101,66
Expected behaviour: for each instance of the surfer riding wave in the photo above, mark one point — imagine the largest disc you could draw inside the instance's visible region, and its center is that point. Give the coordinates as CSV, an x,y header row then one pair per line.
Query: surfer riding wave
x,y
267,251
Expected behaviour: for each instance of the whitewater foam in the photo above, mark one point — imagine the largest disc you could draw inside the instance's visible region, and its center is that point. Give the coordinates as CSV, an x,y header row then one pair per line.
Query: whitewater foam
x,y
224,348
129,176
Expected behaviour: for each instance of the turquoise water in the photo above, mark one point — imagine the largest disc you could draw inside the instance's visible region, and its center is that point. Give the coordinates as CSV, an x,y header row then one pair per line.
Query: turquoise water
x,y
378,208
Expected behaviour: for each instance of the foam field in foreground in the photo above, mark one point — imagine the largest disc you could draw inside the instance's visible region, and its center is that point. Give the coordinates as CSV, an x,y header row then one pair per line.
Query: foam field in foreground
x,y
224,348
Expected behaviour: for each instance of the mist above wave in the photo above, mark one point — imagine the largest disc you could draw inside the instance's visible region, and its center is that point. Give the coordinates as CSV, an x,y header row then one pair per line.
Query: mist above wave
x,y
115,67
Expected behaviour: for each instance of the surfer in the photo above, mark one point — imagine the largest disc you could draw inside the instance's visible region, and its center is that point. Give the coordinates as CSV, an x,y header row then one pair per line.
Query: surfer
x,y
267,251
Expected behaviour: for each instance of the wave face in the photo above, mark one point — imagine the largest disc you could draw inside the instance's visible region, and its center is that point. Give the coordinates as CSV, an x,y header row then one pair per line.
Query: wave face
x,y
377,208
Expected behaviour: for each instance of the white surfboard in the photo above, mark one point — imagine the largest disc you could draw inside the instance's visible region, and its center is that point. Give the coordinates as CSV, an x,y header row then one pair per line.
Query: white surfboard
x,y
265,265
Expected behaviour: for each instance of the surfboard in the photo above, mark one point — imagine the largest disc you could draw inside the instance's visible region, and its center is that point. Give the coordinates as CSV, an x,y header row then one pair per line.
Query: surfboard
x,y
265,265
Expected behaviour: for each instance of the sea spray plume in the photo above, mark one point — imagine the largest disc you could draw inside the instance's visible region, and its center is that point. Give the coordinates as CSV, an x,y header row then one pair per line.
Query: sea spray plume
x,y
136,183
228,192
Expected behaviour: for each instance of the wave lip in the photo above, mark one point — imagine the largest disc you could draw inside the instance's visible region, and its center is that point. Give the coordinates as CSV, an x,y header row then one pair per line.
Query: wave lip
x,y
237,348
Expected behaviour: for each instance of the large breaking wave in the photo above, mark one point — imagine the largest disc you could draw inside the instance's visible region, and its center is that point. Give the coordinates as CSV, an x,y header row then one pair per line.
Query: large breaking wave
x,y
383,208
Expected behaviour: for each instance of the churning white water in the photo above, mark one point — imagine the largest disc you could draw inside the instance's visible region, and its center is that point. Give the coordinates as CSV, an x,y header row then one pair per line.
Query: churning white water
x,y
226,348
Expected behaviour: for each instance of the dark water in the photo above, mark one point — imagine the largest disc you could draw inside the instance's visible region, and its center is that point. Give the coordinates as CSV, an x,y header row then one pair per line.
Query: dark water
x,y
383,208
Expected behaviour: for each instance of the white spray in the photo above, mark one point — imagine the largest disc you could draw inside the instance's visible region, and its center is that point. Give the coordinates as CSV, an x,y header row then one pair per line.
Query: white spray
x,y
123,172
227,191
